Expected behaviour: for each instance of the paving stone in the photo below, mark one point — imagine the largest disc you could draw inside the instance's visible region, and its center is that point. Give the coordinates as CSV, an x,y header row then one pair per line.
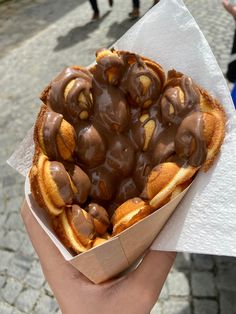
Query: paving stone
x,y
164,292
203,284
27,299
203,262
45,304
14,222
26,248
227,302
176,306
225,262
14,202
2,280
35,277
5,258
11,290
2,219
157,309
2,201
19,266
5,308
16,311
2,234
12,240
8,180
226,278
182,261
205,307
14,191
178,284
47,289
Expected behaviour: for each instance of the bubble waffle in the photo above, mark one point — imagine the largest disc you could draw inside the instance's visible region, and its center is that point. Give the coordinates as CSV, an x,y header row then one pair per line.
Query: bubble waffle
x,y
116,142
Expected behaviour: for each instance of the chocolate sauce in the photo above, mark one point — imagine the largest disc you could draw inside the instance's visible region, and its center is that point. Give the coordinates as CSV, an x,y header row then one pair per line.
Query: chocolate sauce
x,y
189,143
81,182
132,83
98,212
174,107
69,105
52,123
82,222
61,178
117,92
91,148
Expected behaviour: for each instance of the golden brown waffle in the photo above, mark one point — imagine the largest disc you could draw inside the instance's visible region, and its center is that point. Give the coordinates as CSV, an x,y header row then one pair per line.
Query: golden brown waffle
x,y
116,142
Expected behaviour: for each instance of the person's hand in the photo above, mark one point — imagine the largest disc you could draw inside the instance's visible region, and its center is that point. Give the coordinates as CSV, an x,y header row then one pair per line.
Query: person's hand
x,y
230,8
136,292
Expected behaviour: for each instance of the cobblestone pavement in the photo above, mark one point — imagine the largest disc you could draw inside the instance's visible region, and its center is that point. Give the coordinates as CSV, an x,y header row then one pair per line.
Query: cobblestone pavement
x,y
38,38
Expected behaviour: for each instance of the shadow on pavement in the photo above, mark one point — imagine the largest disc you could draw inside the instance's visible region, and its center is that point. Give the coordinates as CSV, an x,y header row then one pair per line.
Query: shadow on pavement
x,y
116,29
20,20
78,34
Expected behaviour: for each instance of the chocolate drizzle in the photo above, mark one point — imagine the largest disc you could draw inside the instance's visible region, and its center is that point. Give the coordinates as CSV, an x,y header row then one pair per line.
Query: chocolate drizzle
x,y
117,92
69,105
81,182
98,212
189,143
61,178
82,223
132,83
52,123
178,100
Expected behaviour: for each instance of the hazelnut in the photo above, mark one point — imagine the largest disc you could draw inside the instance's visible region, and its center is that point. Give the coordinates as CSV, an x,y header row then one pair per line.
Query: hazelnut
x,y
144,117
84,115
171,109
146,82
149,130
68,87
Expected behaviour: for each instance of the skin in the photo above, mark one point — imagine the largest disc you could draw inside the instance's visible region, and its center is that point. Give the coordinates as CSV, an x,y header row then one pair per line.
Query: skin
x,y
230,8
136,292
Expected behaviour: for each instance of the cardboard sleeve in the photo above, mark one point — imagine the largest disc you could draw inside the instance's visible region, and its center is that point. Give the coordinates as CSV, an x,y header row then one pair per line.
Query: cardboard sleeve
x,y
117,254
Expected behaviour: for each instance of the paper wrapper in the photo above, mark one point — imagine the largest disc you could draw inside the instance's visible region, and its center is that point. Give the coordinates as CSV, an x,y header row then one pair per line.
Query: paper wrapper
x,y
205,221
116,255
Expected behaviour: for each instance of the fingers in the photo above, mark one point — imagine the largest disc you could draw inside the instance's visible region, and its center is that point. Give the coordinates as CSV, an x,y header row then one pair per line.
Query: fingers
x,y
152,272
229,7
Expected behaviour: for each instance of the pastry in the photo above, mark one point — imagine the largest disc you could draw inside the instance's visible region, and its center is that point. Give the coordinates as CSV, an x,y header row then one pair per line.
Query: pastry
x,y
115,142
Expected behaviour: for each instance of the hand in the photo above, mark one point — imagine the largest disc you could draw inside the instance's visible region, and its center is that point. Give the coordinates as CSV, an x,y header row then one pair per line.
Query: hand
x,y
230,8
135,293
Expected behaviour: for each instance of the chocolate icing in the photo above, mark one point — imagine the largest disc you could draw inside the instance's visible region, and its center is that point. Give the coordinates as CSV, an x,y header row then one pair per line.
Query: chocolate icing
x,y
61,178
126,190
189,143
110,146
81,182
82,224
98,212
91,149
70,106
174,108
52,123
132,84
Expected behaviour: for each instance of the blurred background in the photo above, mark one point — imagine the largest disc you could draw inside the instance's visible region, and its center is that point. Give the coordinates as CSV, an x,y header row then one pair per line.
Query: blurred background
x,y
37,39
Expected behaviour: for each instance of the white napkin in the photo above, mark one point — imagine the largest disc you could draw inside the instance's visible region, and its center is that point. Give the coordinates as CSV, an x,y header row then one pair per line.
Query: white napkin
x,y
205,221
